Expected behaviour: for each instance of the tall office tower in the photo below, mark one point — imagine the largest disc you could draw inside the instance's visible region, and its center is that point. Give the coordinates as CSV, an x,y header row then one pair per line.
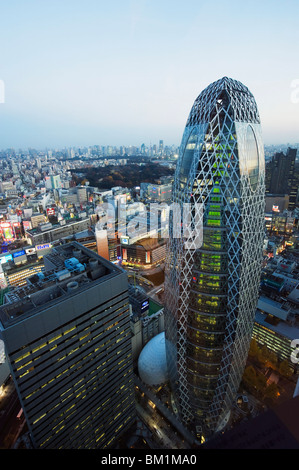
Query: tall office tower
x,y
81,194
161,146
282,177
212,289
68,340
55,181
101,236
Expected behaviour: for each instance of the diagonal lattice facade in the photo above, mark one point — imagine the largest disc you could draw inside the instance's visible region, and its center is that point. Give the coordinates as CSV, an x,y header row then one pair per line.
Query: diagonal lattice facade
x,y
212,291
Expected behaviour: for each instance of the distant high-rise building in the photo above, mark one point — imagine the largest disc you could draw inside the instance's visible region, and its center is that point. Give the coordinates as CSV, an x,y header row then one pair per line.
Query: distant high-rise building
x,y
161,146
81,194
68,340
101,236
107,245
55,181
156,192
281,176
39,163
211,291
6,186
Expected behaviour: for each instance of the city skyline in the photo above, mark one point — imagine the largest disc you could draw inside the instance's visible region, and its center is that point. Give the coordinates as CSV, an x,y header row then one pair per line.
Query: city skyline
x,y
111,151
76,73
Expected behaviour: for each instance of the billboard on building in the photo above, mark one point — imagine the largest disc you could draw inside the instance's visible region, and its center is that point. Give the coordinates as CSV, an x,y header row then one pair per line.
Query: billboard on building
x,y
7,231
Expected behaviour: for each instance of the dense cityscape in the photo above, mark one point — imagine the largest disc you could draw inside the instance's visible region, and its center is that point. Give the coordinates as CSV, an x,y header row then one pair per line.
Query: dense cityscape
x,y
48,204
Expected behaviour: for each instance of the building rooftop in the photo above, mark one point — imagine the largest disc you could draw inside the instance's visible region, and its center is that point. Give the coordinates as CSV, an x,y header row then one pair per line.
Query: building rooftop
x,y
48,227
285,329
277,309
150,243
68,269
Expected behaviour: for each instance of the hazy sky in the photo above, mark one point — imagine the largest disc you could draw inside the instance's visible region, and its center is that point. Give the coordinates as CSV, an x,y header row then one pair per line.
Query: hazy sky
x,y
85,72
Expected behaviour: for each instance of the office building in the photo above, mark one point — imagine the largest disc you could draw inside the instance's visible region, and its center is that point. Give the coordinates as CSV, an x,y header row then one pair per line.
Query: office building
x,y
17,275
48,233
147,252
147,320
275,333
6,186
139,301
276,321
211,286
106,244
101,236
276,202
68,340
281,176
55,181
81,194
156,192
37,219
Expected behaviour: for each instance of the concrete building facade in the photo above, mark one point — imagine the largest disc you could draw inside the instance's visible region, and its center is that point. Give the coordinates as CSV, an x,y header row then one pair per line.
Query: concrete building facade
x,y
68,341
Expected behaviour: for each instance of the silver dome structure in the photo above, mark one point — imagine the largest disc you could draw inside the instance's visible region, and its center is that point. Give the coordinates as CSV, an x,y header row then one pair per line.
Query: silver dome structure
x,y
152,366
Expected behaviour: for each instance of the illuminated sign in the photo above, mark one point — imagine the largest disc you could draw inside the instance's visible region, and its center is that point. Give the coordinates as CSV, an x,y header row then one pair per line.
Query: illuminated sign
x,y
124,240
51,211
30,251
2,352
7,231
27,225
19,253
43,247
8,234
5,259
144,305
